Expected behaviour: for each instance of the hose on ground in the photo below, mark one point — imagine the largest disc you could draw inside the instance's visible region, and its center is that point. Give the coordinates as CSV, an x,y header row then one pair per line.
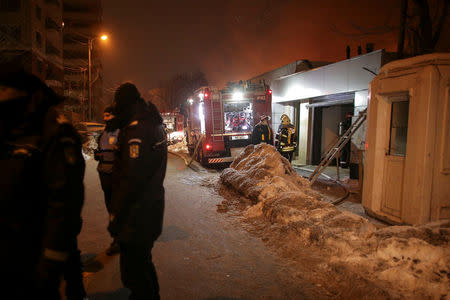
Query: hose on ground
x,y
346,191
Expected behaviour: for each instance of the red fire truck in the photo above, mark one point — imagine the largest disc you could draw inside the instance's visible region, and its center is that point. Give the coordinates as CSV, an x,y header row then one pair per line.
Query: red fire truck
x,y
220,122
174,123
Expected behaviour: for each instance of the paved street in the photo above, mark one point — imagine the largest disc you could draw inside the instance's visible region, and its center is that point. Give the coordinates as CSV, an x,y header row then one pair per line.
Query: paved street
x,y
201,254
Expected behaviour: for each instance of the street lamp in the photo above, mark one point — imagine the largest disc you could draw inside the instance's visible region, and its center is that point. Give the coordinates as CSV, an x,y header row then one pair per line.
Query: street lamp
x,y
103,37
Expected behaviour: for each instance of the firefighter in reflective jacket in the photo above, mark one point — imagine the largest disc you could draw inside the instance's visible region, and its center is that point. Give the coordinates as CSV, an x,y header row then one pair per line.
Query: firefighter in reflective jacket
x,y
138,191
41,190
262,133
286,140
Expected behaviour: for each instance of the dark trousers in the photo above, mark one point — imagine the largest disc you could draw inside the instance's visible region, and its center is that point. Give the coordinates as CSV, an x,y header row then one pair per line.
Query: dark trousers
x,y
288,155
73,275
138,272
106,182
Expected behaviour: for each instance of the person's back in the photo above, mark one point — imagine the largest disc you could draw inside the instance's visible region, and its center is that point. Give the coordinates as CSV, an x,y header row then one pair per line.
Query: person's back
x,y
41,187
138,191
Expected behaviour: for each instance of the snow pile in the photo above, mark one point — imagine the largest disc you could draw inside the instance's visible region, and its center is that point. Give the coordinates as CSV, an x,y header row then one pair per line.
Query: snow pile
x,y
404,258
178,147
89,146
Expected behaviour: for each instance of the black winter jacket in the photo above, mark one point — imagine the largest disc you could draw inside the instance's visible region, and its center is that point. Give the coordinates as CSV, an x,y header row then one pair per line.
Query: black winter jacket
x,y
138,176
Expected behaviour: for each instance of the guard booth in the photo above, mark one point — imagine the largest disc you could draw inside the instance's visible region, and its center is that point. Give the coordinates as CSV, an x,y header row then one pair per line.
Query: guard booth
x,y
407,167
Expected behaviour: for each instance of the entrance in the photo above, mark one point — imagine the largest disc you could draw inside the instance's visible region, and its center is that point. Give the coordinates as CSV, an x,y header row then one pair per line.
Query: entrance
x,y
325,131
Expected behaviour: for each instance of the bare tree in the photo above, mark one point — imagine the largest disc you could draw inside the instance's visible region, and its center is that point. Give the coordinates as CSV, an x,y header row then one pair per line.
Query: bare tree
x,y
423,24
173,93
419,30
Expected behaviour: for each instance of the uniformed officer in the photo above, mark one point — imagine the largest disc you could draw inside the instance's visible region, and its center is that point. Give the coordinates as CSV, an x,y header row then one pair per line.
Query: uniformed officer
x,y
105,155
41,188
286,140
262,133
138,191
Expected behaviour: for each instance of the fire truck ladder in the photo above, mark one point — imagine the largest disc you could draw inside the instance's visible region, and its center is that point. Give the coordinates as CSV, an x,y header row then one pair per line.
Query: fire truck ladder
x,y
217,118
335,150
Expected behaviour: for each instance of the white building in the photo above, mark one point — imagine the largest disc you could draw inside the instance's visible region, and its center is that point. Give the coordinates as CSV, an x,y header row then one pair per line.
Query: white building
x,y
318,99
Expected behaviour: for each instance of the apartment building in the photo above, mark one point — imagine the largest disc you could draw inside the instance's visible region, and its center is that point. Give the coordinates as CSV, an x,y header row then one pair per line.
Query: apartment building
x,y
82,26
31,35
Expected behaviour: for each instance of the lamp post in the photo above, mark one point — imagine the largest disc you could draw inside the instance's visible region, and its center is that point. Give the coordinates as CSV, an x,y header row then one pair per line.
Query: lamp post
x,y
90,43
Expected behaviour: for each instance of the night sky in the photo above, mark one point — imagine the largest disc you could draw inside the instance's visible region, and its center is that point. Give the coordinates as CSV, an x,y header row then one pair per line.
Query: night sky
x,y
235,39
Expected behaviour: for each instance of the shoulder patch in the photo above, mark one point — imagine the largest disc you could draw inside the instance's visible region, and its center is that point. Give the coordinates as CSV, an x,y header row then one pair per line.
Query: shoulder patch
x,y
134,123
134,150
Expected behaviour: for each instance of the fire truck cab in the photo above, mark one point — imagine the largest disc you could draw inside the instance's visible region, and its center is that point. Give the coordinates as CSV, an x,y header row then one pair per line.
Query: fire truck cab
x,y
174,124
220,122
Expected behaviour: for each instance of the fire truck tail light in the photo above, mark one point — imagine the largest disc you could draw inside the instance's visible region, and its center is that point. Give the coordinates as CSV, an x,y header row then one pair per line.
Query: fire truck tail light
x,y
269,92
208,147
206,95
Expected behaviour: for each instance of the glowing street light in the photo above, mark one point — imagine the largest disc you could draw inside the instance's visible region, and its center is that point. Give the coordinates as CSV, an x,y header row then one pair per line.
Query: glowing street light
x,y
103,37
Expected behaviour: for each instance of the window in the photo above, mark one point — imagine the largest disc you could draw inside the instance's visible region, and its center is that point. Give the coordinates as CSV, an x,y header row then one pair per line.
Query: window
x,y
51,24
39,66
38,12
12,32
38,39
238,116
55,2
10,5
399,128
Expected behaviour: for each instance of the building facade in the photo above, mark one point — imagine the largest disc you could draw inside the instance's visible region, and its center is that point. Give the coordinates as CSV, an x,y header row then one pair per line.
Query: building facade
x,y
31,35
319,100
82,27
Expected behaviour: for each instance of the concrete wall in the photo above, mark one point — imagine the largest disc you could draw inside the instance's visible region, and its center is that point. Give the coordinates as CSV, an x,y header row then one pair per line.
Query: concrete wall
x,y
303,128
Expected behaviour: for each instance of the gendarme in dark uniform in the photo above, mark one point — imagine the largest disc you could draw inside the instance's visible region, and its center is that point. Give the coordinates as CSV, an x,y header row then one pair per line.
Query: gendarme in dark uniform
x,y
41,190
138,191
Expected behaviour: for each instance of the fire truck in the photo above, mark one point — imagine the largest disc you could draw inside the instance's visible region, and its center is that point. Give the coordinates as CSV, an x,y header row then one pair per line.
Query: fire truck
x,y
174,124
220,122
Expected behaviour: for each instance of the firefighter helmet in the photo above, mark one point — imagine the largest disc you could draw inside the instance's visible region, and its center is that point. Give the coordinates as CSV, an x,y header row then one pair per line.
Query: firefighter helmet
x,y
285,119
264,117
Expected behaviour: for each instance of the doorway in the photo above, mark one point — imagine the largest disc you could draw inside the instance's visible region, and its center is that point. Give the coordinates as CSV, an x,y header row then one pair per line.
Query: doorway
x,y
325,128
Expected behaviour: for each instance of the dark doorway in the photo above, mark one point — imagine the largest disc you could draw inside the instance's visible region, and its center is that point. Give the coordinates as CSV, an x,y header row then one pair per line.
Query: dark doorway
x,y
325,131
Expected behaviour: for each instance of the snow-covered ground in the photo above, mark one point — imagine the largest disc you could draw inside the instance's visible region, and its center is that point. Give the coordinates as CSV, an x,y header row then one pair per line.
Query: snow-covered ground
x,y
403,261
178,148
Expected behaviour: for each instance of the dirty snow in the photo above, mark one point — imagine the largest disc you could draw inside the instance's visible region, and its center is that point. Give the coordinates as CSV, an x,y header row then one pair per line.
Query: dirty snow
x,y
402,260
178,147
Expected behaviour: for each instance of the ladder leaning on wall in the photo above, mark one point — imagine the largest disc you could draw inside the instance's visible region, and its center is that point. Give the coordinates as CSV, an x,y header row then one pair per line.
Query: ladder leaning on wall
x,y
336,149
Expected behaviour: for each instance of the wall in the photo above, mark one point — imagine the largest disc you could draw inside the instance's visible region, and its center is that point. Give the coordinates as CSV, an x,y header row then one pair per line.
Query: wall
x,y
341,77
303,134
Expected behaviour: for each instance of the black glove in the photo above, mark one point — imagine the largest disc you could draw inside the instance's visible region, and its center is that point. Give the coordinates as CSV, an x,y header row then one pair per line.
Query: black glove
x,y
49,274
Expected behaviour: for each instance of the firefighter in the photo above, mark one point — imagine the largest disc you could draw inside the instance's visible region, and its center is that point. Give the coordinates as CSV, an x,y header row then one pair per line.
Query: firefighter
x,y
41,189
105,155
286,140
262,133
138,191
